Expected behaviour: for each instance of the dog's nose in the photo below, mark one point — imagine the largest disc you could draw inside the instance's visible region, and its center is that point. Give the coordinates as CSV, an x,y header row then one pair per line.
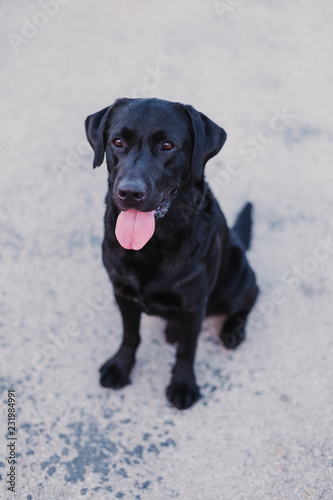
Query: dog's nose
x,y
131,192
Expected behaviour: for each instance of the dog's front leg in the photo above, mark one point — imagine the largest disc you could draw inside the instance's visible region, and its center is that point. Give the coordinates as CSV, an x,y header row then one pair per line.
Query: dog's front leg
x,y
183,390
115,371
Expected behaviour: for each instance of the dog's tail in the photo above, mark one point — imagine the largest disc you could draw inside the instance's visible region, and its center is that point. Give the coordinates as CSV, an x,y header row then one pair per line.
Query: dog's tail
x,y
243,225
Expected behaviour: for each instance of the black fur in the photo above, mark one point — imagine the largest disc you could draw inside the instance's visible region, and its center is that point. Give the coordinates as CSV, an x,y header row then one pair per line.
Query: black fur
x,y
243,225
193,265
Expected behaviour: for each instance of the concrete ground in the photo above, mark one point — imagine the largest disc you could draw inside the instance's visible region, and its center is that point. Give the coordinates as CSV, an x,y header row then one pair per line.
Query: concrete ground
x,y
263,427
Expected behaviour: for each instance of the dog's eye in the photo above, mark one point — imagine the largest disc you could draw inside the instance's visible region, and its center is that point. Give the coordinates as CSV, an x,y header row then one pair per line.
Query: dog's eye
x,y
118,143
167,146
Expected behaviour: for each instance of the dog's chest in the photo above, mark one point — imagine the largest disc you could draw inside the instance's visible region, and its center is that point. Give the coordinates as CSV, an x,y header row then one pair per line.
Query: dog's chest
x,y
147,281
155,297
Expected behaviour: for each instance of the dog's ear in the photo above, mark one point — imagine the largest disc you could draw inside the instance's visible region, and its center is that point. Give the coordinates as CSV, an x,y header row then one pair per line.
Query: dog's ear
x,y
95,127
208,139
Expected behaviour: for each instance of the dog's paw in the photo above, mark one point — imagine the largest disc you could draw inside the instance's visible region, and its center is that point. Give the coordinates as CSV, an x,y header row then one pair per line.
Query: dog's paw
x,y
172,331
182,394
233,333
113,375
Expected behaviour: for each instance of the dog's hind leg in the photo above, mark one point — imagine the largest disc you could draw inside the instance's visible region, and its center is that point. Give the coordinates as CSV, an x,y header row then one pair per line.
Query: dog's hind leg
x,y
115,371
240,288
233,330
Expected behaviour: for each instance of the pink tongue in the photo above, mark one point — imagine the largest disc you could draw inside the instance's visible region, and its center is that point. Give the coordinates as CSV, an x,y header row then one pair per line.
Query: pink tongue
x,y
134,229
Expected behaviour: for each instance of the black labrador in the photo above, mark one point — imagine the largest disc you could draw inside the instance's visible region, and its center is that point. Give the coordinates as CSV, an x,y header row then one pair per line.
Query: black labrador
x,y
167,248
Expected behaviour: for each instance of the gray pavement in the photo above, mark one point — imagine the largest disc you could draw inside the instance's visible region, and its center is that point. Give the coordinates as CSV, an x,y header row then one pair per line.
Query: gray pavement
x,y
263,427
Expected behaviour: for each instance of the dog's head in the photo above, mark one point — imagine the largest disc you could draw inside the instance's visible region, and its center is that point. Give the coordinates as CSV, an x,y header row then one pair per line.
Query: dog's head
x,y
152,147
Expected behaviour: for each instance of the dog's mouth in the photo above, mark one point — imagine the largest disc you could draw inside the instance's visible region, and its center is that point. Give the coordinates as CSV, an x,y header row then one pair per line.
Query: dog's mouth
x,y
163,208
134,228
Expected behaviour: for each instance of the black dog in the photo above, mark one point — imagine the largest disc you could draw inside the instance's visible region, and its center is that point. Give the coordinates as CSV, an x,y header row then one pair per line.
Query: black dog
x,y
167,248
